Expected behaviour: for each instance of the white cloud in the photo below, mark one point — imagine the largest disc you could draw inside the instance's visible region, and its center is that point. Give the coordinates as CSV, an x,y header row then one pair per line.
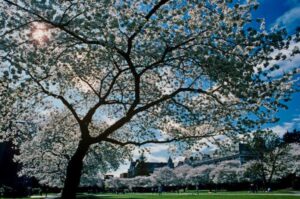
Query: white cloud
x,y
122,169
287,66
151,157
158,148
287,126
290,19
292,62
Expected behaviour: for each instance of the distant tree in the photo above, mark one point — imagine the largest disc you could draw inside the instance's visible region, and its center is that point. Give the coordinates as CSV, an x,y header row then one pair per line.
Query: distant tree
x,y
164,176
200,175
130,183
181,174
137,72
292,137
294,159
227,172
115,183
144,181
272,158
8,168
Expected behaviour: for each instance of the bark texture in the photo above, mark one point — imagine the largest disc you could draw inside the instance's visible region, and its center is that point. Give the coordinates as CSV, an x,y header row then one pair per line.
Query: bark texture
x,y
74,171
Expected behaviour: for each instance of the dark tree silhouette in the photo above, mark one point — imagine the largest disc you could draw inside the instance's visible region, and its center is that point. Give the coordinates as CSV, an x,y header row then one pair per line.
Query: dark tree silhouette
x,y
292,137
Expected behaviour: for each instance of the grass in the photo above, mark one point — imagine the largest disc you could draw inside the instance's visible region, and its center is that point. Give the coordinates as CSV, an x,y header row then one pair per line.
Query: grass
x,y
226,195
201,195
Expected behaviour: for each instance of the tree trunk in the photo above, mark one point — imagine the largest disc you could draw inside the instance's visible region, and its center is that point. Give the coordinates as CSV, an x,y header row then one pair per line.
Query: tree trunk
x,y
74,171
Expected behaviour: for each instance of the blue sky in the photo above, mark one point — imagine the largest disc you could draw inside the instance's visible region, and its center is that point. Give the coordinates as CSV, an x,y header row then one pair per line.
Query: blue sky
x,y
284,13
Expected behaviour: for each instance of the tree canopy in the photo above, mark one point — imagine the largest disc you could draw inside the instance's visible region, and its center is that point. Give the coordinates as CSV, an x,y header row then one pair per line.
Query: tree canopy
x,y
138,72
274,158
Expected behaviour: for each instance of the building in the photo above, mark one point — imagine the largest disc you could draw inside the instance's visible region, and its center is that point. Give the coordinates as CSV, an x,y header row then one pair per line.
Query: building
x,y
142,168
124,175
244,154
107,177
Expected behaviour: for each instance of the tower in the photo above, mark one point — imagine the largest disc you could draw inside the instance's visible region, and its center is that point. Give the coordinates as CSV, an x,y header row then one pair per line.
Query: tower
x,y
170,163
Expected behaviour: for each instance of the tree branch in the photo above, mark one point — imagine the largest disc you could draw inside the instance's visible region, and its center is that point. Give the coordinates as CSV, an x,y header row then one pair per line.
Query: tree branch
x,y
167,50
118,124
114,141
59,26
126,55
147,17
89,85
61,98
16,28
102,100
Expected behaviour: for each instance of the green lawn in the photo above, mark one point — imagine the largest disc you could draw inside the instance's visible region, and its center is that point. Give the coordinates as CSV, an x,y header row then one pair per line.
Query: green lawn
x,y
189,196
202,195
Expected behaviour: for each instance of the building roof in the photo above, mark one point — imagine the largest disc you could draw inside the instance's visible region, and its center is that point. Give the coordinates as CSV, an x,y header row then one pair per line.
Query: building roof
x,y
148,167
